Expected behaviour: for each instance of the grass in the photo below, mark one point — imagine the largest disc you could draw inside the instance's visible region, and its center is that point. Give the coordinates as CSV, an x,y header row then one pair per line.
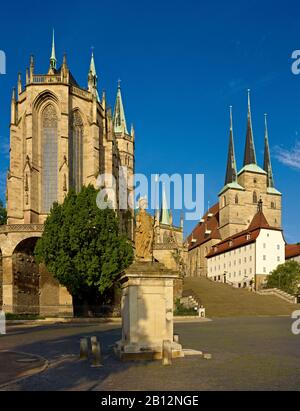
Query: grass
x,y
221,300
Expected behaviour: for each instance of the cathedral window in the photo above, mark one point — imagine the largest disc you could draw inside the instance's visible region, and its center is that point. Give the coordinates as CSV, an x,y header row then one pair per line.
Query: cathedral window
x,y
236,199
49,157
76,152
255,201
273,205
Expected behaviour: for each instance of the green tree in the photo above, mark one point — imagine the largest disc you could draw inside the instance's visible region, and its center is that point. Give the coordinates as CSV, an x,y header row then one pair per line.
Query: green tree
x,y
286,277
82,247
3,214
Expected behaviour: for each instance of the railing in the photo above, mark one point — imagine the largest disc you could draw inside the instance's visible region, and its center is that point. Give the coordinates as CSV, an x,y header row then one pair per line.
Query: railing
x,y
280,294
81,93
17,228
47,79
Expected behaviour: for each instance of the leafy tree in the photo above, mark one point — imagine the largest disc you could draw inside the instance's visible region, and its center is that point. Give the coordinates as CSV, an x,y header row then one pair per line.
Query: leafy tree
x,y
3,214
81,245
286,277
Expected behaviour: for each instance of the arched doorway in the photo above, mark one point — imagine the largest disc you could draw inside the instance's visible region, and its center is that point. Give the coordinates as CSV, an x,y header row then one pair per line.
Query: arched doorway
x,y
26,278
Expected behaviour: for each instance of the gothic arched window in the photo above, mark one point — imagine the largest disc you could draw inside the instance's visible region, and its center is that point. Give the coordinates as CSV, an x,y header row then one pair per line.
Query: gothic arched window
x,y
236,199
49,158
76,152
255,201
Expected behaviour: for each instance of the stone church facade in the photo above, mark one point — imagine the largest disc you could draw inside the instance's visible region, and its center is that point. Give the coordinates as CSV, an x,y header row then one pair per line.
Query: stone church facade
x,y
238,201
61,136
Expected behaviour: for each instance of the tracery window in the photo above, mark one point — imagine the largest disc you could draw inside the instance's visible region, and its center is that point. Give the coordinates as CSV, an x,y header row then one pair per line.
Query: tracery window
x,y
76,152
49,157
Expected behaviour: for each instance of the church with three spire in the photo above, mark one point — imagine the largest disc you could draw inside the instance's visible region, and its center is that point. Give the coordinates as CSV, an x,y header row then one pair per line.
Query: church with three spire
x,y
62,136
245,193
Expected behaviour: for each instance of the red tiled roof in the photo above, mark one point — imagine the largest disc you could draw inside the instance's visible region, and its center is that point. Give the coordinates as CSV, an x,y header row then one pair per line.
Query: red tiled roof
x,y
210,224
292,250
244,237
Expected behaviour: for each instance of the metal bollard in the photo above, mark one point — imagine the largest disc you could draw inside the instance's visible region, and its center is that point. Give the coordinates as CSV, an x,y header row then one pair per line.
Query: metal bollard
x,y
167,353
84,353
96,353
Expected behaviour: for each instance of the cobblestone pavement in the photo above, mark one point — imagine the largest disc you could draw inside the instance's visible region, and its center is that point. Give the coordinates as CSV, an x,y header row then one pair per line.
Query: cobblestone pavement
x,y
248,354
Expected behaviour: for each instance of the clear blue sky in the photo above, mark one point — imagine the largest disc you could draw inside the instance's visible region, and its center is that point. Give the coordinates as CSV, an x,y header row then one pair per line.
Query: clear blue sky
x,y
182,64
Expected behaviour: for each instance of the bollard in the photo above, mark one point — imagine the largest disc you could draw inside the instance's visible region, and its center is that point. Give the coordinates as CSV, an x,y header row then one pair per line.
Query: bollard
x,y
96,353
176,338
84,349
167,353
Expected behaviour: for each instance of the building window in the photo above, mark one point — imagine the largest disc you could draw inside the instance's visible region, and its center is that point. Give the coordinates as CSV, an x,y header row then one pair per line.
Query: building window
x,y
236,199
255,201
49,157
278,247
76,152
278,259
224,201
265,245
265,270
273,205
265,258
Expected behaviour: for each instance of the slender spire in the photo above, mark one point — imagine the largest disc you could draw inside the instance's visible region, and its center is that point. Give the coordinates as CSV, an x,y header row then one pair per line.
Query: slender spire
x,y
165,217
250,155
231,172
92,65
120,125
53,60
19,84
267,157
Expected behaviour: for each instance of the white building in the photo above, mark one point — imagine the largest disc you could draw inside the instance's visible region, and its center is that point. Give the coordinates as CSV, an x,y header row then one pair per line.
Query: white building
x,y
247,258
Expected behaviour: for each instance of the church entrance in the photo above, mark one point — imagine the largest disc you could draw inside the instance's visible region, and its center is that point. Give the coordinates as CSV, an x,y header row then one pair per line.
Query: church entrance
x,y
26,278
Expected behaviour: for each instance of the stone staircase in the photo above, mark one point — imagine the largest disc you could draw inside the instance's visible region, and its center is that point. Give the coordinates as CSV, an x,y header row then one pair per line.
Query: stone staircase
x,y
280,294
190,299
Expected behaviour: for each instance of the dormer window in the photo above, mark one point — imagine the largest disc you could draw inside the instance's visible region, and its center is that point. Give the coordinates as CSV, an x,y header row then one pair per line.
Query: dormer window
x,y
248,237
230,243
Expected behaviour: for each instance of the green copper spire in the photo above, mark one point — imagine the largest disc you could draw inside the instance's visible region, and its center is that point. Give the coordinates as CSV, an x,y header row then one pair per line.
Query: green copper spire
x,y
53,56
120,125
250,155
267,157
92,66
231,171
165,217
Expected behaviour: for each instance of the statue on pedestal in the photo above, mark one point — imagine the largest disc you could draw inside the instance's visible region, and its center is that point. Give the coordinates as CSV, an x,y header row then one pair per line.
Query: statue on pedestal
x,y
144,233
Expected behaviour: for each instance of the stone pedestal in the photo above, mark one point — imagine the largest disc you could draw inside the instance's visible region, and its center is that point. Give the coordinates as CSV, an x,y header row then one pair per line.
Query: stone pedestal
x,y
147,312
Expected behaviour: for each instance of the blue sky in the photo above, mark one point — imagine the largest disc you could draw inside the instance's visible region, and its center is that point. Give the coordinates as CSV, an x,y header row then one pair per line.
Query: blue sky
x,y
182,64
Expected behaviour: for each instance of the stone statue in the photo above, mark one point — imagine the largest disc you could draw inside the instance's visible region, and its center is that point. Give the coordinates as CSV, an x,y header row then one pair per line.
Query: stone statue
x,y
143,233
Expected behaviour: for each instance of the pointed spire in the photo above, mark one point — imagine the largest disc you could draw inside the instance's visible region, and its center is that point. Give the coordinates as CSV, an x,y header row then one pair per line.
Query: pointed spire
x,y
92,65
231,171
53,55
104,99
13,115
267,157
19,84
250,155
119,114
132,131
165,217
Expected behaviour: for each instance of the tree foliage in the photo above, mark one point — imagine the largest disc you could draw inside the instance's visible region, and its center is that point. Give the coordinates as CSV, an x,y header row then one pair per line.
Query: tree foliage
x,y
286,277
81,245
3,214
